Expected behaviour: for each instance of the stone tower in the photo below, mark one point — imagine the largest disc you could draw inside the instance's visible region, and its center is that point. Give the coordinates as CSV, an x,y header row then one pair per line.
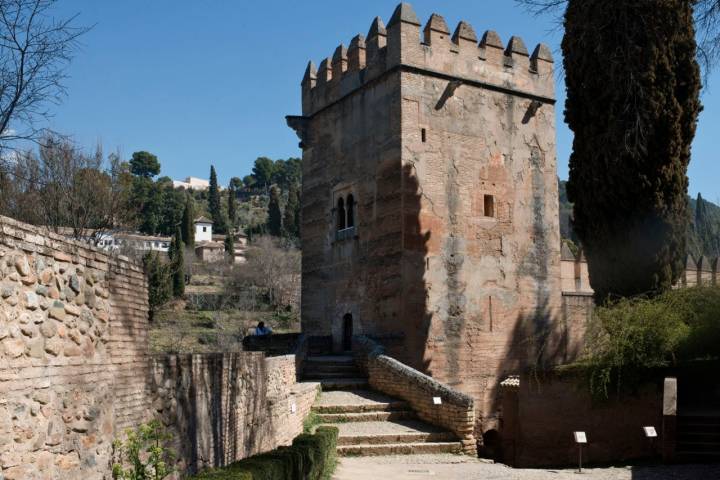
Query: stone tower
x,y
430,200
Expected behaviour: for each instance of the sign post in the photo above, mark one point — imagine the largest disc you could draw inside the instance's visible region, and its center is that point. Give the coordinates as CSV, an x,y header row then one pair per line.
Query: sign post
x,y
651,435
580,439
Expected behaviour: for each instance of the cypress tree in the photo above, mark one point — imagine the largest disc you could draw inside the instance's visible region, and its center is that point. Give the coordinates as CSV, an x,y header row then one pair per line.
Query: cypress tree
x,y
274,222
230,248
214,203
177,261
232,212
188,228
291,216
632,102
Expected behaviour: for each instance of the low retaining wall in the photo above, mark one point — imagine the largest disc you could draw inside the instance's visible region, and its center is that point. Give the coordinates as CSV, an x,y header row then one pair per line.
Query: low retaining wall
x,y
455,412
221,408
540,415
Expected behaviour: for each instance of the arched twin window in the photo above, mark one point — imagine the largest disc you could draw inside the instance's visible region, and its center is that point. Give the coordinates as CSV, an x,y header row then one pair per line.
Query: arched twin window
x,y
345,212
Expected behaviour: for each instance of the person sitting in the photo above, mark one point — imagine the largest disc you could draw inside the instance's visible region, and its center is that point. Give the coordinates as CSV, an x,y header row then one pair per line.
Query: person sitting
x,y
262,330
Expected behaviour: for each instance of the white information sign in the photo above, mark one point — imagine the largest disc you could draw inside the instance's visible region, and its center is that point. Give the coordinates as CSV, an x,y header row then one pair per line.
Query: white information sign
x,y
580,437
293,408
437,400
650,432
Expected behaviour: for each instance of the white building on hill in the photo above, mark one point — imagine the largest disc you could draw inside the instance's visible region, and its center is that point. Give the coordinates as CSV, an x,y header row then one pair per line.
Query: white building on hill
x,y
192,182
203,230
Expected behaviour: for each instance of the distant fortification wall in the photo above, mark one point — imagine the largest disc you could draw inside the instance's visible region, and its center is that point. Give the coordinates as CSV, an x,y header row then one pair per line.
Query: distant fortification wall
x,y
75,370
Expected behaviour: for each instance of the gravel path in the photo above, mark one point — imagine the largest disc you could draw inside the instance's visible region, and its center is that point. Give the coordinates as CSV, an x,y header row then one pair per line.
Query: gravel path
x,y
445,466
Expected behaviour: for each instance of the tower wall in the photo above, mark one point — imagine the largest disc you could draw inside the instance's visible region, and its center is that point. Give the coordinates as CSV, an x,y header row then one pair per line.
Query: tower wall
x,y
448,145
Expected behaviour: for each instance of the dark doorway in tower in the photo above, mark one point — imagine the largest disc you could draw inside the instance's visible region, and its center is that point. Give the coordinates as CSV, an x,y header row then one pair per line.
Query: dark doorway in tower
x,y
347,332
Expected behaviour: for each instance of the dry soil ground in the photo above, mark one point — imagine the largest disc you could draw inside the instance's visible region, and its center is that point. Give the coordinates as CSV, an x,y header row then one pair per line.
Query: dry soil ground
x,y
415,467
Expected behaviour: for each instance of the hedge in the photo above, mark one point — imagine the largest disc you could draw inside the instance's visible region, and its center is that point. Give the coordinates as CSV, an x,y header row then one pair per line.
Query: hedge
x,y
311,456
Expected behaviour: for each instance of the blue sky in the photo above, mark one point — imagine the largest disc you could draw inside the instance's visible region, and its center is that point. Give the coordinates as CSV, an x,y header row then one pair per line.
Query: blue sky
x,y
209,82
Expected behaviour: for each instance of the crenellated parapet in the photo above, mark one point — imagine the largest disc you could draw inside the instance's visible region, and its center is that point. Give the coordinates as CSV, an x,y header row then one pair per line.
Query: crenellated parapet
x,y
406,45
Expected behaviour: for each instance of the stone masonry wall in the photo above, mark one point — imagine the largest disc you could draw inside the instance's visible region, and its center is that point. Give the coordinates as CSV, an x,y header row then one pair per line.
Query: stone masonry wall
x,y
75,370
225,407
57,389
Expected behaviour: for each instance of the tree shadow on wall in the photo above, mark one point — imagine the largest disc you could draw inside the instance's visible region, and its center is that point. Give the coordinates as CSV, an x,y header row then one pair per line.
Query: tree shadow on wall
x,y
221,414
414,293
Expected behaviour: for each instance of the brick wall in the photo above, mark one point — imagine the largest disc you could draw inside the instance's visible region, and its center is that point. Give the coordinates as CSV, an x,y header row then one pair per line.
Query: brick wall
x,y
541,414
456,411
75,370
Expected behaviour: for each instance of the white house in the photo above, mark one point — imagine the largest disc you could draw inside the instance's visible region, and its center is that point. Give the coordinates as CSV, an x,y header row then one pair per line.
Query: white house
x,y
203,230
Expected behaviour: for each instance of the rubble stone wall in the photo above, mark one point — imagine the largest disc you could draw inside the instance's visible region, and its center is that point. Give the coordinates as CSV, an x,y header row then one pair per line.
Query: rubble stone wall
x,y
75,371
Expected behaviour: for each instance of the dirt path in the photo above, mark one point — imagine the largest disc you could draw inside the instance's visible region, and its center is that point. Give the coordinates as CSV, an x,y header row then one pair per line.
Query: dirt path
x,y
414,467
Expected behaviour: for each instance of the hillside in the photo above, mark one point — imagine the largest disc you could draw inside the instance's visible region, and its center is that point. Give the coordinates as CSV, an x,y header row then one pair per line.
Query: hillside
x,y
697,246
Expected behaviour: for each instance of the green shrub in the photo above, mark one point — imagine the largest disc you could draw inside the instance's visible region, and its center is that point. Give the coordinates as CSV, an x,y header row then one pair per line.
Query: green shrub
x,y
143,455
311,456
629,339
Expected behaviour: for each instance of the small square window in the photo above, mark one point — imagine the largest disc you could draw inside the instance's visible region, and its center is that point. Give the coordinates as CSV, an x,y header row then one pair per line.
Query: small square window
x,y
204,229
489,204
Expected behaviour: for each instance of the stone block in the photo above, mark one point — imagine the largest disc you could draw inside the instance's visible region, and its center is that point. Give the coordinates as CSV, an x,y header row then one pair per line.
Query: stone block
x,y
14,347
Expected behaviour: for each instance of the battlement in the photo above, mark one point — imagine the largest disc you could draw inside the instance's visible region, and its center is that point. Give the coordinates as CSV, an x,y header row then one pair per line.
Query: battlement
x,y
486,63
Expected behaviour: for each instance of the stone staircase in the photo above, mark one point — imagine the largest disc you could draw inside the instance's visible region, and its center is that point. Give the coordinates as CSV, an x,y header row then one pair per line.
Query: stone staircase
x,y
369,422
698,438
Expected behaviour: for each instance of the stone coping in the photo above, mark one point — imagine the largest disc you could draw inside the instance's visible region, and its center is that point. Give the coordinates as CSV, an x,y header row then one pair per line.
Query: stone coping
x,y
375,351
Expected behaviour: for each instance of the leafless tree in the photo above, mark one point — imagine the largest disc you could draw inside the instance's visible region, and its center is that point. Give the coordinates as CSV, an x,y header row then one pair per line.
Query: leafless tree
x,y
273,268
35,50
68,190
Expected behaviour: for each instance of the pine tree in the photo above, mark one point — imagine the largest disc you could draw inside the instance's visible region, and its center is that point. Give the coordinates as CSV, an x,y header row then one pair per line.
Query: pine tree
x,y
632,102
274,222
232,213
214,203
291,216
188,228
177,260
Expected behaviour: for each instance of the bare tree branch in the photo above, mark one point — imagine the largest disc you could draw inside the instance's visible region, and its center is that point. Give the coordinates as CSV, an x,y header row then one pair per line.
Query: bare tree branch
x,y
35,50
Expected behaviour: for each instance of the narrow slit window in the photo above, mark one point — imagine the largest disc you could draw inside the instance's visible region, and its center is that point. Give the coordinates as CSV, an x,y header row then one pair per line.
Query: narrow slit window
x,y
423,135
341,214
350,211
489,204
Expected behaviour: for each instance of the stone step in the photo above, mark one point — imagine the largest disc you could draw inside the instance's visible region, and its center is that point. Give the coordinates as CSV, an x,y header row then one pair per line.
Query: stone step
x,y
329,384
390,432
330,367
367,416
314,375
330,359
357,401
399,448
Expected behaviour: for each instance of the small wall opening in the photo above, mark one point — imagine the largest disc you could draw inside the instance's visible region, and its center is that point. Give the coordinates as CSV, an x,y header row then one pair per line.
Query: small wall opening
x,y
350,211
489,205
347,332
340,214
492,445
423,135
